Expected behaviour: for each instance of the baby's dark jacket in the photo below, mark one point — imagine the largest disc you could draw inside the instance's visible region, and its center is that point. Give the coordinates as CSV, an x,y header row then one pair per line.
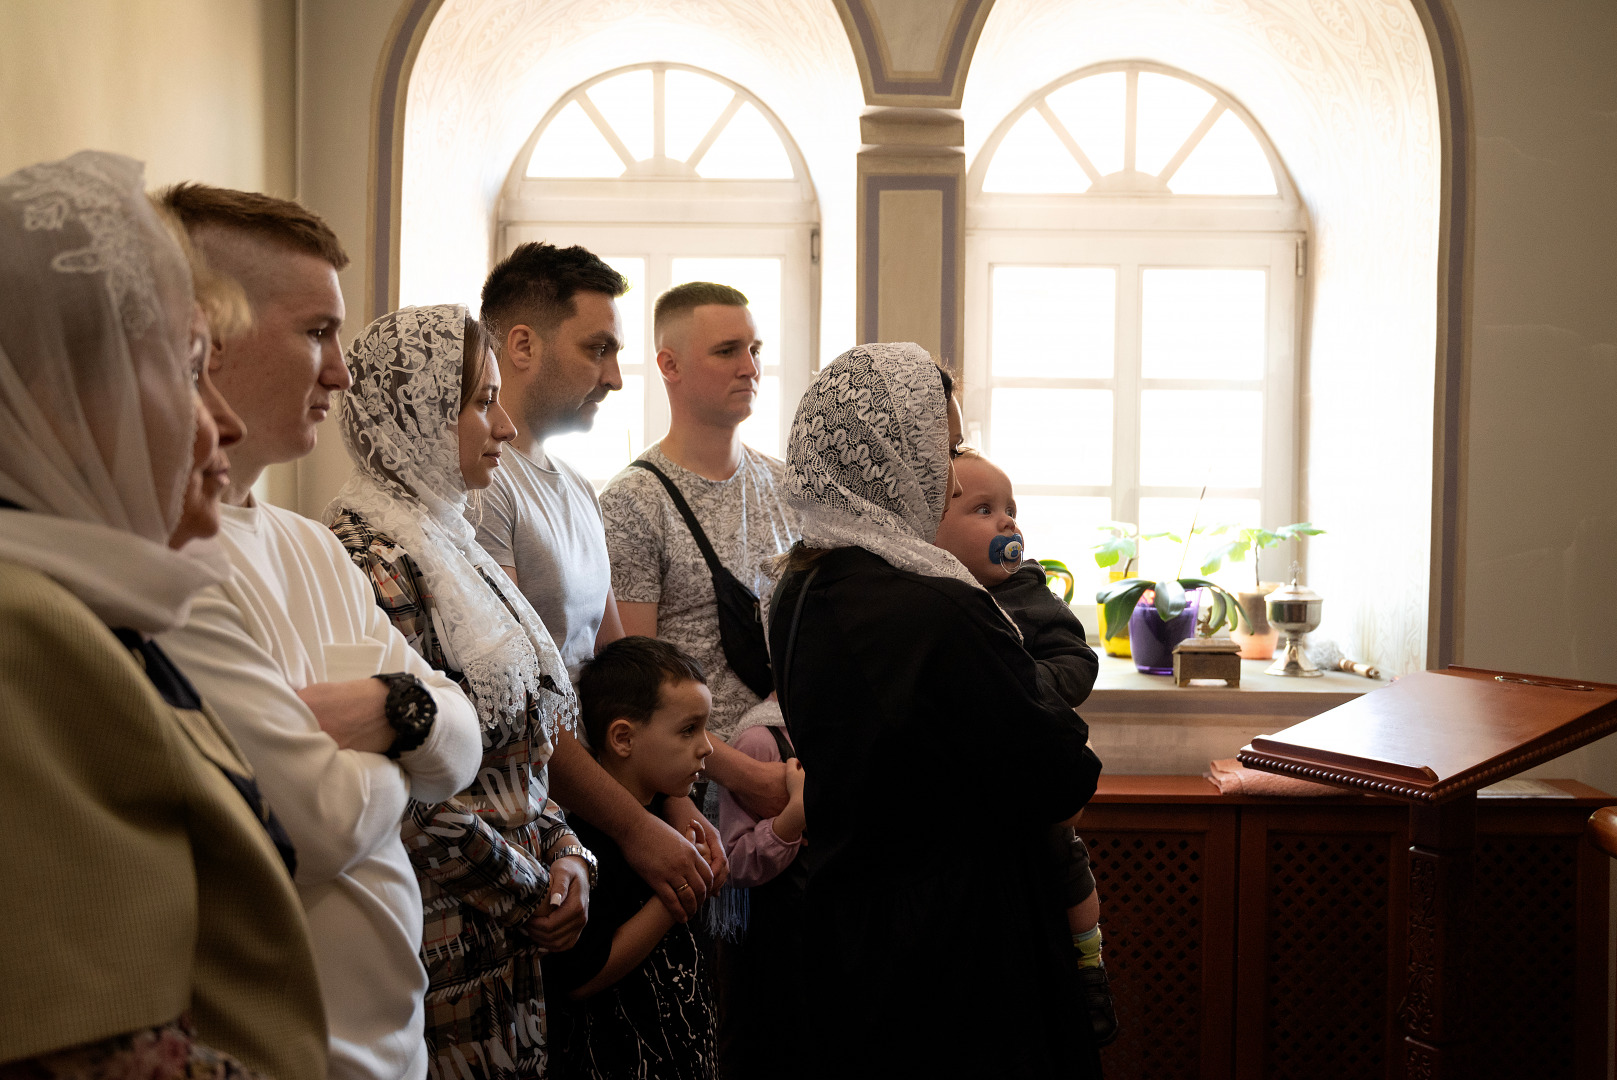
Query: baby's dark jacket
x,y
1051,633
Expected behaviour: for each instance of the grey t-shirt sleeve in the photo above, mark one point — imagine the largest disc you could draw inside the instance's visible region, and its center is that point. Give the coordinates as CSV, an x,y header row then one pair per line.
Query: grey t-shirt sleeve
x,y
632,515
497,523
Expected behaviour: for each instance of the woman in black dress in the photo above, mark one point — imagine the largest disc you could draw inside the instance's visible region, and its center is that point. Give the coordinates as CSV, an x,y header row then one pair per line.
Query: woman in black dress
x,y
935,940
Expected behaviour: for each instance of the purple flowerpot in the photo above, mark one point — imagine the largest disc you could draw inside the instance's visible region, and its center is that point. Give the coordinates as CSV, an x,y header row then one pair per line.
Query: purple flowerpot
x,y
1151,640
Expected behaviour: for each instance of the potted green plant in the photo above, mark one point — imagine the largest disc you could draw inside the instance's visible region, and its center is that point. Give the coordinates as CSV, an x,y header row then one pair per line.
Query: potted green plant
x,y
1159,622
1122,545
1255,636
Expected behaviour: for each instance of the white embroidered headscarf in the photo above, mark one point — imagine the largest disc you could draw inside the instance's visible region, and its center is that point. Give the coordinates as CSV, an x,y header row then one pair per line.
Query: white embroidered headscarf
x,y
399,424
868,461
97,410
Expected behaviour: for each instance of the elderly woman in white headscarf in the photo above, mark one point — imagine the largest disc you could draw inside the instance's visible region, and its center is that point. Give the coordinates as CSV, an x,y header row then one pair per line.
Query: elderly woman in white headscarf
x,y
502,876
935,938
148,920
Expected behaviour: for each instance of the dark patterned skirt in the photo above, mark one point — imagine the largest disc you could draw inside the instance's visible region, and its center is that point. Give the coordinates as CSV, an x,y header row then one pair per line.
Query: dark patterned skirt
x,y
656,1023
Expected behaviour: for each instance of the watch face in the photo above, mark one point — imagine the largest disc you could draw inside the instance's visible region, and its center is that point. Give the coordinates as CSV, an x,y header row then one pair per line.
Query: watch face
x,y
411,711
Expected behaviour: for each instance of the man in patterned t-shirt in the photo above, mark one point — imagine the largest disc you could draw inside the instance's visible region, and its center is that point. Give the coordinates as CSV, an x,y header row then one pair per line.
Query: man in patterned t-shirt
x,y
707,351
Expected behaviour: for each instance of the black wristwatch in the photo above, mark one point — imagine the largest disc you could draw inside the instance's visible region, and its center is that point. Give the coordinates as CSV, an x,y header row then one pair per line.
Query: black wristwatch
x,y
411,710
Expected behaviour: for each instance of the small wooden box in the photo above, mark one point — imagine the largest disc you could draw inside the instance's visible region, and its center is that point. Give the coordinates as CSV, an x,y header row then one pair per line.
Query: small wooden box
x,y
1206,658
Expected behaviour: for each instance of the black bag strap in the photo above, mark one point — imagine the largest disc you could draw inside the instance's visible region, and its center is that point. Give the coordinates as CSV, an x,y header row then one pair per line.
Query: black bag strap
x,y
783,745
714,566
784,661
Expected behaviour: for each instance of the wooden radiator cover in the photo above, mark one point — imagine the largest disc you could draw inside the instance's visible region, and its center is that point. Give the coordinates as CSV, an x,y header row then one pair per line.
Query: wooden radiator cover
x,y
1266,938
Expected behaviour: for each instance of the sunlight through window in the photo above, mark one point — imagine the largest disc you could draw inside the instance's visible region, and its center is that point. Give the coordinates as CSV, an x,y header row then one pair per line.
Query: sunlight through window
x,y
1170,143
1055,321
1228,161
572,146
1094,111
1169,110
1134,339
625,103
1033,160
707,129
747,149
692,104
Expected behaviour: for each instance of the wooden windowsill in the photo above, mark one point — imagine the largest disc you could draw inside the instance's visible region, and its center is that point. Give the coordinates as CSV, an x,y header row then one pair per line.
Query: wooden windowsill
x,y
1120,688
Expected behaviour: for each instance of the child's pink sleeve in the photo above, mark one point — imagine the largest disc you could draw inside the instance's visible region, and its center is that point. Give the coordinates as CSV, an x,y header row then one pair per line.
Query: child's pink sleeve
x,y
756,854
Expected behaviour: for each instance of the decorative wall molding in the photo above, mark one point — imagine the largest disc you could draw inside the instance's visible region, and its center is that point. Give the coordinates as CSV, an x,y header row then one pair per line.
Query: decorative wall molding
x,y
1455,261
891,38
947,179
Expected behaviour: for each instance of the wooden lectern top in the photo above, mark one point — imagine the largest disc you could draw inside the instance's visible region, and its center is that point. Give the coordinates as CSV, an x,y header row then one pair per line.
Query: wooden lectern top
x,y
1435,735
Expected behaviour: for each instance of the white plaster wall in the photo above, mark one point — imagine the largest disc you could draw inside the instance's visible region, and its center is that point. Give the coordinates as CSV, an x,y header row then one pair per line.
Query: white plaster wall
x,y
1345,90
489,70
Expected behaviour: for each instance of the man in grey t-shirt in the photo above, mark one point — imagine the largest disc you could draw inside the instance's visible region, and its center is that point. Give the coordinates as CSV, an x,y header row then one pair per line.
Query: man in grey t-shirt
x,y
707,352
539,518
552,317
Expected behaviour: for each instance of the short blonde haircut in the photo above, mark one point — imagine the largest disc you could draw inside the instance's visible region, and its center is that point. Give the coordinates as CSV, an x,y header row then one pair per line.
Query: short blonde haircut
x,y
224,303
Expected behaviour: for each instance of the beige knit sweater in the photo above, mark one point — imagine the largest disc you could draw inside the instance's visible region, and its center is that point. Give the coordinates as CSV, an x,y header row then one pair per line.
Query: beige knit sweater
x,y
135,882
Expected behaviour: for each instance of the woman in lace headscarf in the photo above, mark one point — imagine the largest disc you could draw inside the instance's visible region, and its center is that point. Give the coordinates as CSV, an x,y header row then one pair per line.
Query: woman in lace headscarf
x,y
147,918
502,876
935,939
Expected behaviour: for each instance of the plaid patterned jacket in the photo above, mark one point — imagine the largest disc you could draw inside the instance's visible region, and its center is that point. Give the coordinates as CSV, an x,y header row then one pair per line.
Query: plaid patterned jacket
x,y
479,859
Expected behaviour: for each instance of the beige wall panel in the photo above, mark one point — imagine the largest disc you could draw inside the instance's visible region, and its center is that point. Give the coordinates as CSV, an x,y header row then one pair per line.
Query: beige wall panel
x,y
1541,478
913,32
911,268
342,42
197,89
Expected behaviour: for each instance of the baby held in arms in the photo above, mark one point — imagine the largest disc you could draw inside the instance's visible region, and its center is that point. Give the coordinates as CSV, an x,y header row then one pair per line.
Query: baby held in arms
x,y
631,998
979,528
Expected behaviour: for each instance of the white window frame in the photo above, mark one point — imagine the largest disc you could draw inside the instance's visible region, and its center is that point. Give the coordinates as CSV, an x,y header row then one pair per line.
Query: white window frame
x,y
658,212
1131,231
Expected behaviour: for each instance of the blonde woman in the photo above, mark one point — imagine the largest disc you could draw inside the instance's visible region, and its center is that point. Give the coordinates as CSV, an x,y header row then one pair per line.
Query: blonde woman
x,y
148,921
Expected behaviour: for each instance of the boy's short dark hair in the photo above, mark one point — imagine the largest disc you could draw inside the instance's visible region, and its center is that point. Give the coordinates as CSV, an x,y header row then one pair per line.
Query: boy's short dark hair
x,y
281,221
535,285
625,681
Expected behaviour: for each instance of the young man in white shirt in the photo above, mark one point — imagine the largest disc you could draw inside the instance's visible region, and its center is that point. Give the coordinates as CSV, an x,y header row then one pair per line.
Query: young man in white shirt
x,y
552,315
707,352
341,719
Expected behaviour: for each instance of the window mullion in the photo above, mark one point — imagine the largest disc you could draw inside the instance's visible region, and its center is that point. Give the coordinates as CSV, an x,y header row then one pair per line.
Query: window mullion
x,y
600,122
659,114
1131,116
1126,396
1068,141
1190,144
659,277
730,110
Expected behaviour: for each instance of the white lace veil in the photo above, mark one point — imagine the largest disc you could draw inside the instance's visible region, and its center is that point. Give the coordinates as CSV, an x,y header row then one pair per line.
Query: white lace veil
x,y
97,411
868,461
399,424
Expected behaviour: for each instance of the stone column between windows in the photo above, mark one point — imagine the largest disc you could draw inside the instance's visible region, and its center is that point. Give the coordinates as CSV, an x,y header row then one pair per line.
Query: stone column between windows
x,y
911,221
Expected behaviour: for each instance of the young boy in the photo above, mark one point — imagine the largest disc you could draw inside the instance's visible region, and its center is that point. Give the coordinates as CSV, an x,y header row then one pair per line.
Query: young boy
x,y
977,528
631,999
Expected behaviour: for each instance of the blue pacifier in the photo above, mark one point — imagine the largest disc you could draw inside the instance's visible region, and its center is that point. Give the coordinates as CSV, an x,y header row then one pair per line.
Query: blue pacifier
x,y
1005,549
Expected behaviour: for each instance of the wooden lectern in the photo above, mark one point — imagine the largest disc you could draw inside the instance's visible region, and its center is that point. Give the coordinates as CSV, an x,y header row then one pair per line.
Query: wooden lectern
x,y
1432,739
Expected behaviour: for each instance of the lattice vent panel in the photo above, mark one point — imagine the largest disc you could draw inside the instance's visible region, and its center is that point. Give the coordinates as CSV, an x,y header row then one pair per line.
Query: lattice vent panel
x,y
1525,956
1151,889
1326,990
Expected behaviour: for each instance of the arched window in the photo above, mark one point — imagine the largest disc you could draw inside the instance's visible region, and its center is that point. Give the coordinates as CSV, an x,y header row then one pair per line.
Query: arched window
x,y
672,174
1135,254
